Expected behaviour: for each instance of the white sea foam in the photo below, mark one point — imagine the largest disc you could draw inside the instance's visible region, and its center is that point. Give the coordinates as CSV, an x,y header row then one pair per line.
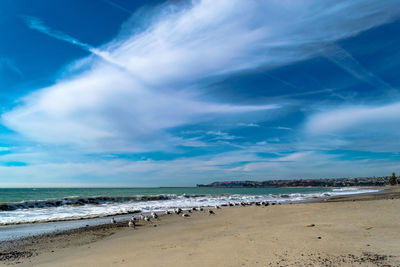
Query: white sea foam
x,y
79,208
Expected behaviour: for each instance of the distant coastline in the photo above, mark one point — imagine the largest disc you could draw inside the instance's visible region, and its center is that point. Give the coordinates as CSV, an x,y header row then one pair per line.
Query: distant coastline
x,y
323,182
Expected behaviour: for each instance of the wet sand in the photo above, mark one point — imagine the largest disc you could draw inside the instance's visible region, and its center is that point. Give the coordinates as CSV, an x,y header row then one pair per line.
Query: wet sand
x,y
351,231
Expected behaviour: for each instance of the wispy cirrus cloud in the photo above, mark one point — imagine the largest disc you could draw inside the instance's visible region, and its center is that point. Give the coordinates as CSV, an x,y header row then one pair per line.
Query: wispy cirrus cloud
x,y
147,81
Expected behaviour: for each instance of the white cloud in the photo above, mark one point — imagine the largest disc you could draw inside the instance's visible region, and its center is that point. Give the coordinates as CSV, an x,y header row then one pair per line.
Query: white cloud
x,y
146,82
359,120
365,128
252,124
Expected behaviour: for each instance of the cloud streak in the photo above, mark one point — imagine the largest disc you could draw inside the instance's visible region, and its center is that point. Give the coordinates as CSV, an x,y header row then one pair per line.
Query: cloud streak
x,y
6,62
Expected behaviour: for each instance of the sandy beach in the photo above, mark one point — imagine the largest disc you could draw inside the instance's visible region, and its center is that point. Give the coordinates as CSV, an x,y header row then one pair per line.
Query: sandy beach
x,y
352,231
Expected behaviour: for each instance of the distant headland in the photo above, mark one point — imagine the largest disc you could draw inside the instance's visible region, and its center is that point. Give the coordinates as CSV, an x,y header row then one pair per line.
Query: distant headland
x,y
323,182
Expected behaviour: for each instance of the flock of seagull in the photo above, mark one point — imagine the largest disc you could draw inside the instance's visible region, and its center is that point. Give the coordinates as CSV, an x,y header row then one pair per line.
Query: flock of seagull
x,y
179,211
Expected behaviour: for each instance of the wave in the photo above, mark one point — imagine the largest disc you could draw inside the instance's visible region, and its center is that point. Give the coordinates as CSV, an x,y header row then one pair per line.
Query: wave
x,y
78,201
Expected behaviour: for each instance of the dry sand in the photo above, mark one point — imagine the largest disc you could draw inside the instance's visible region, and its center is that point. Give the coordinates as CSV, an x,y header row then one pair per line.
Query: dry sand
x,y
346,233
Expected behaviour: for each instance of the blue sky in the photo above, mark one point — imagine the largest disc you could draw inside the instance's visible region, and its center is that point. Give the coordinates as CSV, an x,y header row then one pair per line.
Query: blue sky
x,y
175,93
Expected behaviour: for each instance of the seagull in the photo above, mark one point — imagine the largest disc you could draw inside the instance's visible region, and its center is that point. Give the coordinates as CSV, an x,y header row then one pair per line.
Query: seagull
x,y
154,215
217,207
141,217
167,212
178,211
113,220
131,224
200,209
211,212
147,218
185,215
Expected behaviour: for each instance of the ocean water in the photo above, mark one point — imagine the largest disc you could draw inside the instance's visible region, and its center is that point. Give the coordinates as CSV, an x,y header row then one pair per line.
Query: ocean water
x,y
30,205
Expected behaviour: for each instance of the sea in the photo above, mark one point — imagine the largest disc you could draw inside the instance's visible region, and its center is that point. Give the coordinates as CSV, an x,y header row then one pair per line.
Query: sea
x,y
29,211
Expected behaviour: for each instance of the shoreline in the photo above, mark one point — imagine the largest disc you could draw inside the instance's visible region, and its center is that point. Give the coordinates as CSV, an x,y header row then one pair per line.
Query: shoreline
x,y
21,230
282,198
32,249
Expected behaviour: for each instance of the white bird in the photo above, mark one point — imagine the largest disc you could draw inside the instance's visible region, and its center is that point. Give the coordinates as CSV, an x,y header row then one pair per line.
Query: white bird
x,y
185,215
141,217
131,224
113,220
167,212
178,210
147,218
154,215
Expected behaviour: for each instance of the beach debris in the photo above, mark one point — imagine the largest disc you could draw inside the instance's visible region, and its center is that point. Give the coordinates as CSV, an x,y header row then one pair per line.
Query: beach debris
x,y
132,224
310,225
185,215
113,220
211,212
319,237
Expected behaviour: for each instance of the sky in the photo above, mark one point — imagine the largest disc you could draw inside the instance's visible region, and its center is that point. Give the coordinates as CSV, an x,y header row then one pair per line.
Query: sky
x,y
179,93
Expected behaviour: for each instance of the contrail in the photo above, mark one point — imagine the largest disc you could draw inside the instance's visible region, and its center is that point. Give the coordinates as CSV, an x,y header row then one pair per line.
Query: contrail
x,y
346,61
112,3
10,65
38,25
